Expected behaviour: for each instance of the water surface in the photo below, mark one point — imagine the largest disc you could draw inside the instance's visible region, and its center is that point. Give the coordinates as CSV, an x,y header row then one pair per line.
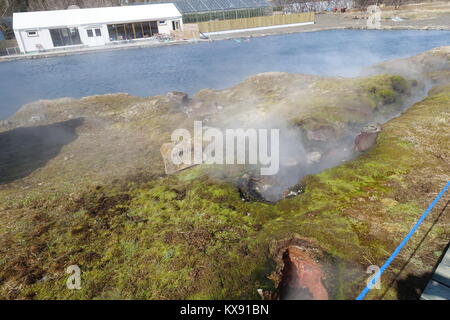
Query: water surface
x,y
217,65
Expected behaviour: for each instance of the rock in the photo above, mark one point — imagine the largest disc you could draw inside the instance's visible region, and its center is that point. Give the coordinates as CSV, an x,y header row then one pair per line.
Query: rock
x,y
169,166
302,276
5,123
367,138
219,108
180,98
323,134
196,104
266,295
37,118
260,292
313,157
301,269
249,187
294,191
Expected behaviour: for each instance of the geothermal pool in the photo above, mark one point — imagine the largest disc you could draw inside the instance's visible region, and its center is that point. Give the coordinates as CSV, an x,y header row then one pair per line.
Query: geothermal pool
x,y
217,65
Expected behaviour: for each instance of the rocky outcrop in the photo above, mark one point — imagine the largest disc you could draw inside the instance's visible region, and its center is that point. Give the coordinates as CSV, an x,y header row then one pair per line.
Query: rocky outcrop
x,y
300,271
302,277
169,166
179,98
367,138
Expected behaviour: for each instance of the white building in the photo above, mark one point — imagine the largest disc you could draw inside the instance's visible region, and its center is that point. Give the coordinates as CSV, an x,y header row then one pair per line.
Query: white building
x,y
47,30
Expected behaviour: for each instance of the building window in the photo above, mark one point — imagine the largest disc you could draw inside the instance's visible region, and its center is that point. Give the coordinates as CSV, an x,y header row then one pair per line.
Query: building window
x,y
176,25
98,32
65,37
162,23
90,33
129,31
32,33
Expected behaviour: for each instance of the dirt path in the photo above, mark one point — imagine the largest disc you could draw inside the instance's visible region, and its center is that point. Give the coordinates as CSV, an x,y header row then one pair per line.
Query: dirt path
x,y
420,19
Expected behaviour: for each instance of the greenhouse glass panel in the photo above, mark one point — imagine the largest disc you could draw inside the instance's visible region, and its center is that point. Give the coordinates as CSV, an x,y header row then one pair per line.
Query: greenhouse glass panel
x,y
191,6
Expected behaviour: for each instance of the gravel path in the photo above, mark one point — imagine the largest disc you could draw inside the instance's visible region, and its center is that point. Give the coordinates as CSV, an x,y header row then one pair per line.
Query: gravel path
x,y
328,21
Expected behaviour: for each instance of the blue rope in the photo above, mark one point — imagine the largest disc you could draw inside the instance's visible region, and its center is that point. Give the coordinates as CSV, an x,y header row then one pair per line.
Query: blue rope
x,y
402,244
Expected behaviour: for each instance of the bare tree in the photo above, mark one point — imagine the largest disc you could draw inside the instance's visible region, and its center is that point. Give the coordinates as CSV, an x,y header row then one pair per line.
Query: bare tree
x,y
296,6
37,5
396,3
7,7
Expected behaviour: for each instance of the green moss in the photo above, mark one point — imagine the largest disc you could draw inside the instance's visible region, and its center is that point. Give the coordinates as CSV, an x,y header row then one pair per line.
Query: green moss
x,y
385,89
191,236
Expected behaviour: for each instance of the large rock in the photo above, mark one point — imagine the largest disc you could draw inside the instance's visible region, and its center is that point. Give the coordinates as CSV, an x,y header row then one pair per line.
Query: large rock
x,y
367,138
169,166
179,98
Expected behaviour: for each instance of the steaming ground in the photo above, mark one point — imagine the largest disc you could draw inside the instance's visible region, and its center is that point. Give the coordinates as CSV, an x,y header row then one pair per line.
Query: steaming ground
x,y
87,186
297,158
310,149
318,118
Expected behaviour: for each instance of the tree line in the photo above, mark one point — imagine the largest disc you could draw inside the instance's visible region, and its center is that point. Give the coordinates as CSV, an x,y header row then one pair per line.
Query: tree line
x,y
7,7
358,4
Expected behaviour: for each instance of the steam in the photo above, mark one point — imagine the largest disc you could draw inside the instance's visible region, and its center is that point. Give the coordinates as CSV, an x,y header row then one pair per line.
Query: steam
x,y
302,153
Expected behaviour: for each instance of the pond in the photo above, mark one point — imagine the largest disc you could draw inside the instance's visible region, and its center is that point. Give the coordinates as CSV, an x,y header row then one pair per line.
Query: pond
x,y
217,65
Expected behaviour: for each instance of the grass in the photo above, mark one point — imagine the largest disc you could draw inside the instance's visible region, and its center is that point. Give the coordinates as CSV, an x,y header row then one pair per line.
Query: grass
x,y
190,235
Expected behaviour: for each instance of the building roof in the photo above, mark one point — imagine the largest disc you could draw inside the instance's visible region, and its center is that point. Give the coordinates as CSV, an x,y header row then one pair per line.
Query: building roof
x,y
193,6
111,15
190,6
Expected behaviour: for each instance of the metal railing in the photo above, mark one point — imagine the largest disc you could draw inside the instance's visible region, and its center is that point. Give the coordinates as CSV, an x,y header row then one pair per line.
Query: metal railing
x,y
9,51
8,47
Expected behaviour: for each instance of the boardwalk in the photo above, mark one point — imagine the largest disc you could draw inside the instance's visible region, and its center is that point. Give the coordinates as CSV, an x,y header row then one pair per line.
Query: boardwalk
x,y
438,287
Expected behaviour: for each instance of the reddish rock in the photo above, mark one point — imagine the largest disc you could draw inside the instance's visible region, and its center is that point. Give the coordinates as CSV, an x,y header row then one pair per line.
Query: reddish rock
x,y
302,277
367,138
179,98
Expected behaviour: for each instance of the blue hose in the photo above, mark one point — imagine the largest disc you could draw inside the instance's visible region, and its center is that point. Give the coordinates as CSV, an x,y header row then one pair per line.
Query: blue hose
x,y
402,244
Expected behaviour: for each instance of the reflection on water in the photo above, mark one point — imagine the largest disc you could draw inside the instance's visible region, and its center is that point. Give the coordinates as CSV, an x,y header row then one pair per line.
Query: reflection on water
x,y
216,65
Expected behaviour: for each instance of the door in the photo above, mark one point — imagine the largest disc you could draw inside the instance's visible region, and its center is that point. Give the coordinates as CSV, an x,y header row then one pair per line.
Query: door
x,y
154,27
94,37
176,25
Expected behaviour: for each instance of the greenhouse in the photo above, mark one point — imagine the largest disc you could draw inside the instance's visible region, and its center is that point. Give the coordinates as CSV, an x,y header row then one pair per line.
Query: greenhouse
x,y
206,10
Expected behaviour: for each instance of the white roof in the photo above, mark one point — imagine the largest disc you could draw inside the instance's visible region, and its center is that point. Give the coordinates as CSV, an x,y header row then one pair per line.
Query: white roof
x,y
110,15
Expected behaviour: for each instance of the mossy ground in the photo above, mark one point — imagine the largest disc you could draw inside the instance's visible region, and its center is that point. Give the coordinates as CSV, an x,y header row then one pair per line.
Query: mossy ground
x,y
190,236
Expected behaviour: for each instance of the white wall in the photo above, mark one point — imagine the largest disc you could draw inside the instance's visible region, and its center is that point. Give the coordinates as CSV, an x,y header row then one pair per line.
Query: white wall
x,y
28,44
95,40
167,28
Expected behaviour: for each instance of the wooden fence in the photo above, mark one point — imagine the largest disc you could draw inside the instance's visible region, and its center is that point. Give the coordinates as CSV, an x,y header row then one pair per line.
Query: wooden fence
x,y
257,22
